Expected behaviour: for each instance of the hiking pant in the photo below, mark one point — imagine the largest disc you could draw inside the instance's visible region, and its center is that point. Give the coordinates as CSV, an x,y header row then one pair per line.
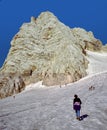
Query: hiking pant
x,y
77,113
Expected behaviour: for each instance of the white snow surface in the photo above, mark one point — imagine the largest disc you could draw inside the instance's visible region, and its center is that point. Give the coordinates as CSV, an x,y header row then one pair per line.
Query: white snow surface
x,y
50,108
97,62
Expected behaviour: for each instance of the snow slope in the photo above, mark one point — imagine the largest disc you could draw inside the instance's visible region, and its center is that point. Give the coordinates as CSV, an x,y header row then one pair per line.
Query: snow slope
x,y
42,108
97,62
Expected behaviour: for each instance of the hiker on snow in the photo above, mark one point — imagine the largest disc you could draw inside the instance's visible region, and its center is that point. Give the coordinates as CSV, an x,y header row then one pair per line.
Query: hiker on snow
x,y
77,106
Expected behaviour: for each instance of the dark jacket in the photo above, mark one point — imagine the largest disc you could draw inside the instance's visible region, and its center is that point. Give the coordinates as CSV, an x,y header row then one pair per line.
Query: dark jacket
x,y
77,104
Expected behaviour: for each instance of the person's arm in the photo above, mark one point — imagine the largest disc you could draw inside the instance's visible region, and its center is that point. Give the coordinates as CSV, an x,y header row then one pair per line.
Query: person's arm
x,y
80,101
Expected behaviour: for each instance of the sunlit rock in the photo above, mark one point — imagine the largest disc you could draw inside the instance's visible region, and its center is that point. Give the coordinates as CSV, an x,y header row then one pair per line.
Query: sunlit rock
x,y
46,49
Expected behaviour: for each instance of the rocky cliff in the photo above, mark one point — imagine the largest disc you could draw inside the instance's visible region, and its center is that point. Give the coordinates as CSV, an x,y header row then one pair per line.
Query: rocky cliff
x,y
10,85
46,49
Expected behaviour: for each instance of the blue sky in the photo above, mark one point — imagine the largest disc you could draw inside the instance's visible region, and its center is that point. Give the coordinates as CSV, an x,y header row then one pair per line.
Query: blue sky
x,y
88,14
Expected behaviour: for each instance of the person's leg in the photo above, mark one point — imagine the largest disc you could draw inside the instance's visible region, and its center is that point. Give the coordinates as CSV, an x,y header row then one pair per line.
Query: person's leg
x,y
76,111
78,114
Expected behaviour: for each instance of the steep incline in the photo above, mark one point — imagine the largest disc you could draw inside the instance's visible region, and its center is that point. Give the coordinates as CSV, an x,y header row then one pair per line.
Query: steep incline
x,y
97,62
50,51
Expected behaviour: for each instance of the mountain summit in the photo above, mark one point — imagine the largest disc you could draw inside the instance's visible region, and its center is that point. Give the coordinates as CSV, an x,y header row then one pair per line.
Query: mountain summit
x,y
47,50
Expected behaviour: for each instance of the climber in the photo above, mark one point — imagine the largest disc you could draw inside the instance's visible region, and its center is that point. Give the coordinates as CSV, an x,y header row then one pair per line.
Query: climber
x,y
77,106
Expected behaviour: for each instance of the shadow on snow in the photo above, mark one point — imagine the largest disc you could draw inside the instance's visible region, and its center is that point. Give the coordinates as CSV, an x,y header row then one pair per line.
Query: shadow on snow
x,y
83,116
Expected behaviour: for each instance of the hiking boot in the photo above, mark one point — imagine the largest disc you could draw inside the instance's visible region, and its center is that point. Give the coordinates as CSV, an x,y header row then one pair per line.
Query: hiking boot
x,y
78,118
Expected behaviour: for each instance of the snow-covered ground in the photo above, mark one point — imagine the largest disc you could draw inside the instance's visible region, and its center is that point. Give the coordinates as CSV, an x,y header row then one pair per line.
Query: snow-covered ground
x,y
50,108
97,62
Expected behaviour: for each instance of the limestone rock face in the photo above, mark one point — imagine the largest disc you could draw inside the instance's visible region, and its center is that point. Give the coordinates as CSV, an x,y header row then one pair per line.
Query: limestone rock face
x,y
46,49
10,85
87,40
104,48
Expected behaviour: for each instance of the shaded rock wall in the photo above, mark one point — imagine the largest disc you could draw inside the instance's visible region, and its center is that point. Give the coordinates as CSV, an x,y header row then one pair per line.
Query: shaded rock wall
x,y
10,85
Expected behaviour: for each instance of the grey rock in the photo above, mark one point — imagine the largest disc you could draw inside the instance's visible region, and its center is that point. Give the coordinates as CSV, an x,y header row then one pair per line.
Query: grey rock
x,y
46,49
10,85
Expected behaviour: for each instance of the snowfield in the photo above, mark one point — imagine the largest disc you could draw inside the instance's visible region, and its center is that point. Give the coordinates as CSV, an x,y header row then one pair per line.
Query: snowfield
x,y
97,62
50,108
